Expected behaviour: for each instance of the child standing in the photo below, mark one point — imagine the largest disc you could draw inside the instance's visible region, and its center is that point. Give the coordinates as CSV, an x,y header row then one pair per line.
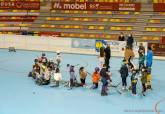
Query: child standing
x,y
149,78
104,79
83,75
72,76
95,78
134,80
124,74
57,77
143,80
58,59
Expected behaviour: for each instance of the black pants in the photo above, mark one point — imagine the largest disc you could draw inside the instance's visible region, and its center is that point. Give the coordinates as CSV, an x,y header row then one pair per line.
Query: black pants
x,y
124,81
95,85
104,90
71,83
46,82
130,46
57,83
143,88
82,81
107,63
104,87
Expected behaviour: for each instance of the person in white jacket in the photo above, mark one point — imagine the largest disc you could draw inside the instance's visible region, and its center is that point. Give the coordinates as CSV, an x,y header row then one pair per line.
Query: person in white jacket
x,y
101,57
58,59
57,77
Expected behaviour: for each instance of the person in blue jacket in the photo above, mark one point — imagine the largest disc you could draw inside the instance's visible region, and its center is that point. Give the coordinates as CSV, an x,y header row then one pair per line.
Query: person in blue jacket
x,y
149,58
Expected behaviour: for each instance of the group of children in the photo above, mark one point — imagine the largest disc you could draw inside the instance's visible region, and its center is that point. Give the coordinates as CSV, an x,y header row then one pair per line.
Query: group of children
x,y
143,72
46,71
143,75
43,70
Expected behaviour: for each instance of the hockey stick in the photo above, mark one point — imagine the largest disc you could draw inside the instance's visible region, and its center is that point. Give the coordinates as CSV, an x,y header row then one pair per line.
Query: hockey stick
x,y
115,86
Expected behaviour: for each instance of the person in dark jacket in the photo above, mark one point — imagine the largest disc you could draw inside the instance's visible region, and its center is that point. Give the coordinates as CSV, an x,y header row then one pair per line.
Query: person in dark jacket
x,y
121,37
141,49
105,76
130,41
134,80
144,80
124,74
107,51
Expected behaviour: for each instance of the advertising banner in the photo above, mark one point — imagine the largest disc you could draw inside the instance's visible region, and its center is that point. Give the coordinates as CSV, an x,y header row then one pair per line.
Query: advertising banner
x,y
129,7
17,18
118,47
83,43
96,6
27,5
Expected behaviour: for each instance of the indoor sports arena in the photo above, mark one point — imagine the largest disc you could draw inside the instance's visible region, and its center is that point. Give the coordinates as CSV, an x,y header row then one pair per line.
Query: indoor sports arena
x,y
85,56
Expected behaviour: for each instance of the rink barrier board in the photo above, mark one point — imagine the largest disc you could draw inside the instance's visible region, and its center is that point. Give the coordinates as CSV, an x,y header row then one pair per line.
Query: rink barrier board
x,y
65,45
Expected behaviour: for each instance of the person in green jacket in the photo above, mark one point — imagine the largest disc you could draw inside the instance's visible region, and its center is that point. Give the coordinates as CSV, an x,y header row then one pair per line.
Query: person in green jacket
x,y
141,60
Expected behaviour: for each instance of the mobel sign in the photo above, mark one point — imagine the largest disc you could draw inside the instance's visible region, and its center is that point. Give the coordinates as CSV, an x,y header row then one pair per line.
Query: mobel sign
x,y
94,6
27,5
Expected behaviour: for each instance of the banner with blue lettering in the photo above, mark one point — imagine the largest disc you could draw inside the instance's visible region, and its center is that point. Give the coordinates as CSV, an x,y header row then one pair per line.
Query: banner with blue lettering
x,y
99,44
83,43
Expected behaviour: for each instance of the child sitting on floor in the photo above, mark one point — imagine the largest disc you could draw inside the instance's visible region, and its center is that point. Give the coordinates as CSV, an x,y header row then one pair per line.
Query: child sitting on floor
x,y
83,75
44,58
35,71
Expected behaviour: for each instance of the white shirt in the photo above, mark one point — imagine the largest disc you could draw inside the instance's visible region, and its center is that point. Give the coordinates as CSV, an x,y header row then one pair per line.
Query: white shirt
x,y
57,76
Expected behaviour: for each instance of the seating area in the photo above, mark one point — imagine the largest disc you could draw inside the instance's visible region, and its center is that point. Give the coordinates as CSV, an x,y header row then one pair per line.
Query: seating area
x,y
145,25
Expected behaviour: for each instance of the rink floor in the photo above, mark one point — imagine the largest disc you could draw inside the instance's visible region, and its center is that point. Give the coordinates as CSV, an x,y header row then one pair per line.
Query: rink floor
x,y
20,95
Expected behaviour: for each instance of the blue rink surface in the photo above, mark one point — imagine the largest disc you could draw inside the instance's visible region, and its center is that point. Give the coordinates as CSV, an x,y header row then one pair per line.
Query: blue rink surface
x,y
20,95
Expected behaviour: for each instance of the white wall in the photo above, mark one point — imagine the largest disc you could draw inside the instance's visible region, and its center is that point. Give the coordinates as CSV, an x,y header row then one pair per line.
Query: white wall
x,y
44,43
41,43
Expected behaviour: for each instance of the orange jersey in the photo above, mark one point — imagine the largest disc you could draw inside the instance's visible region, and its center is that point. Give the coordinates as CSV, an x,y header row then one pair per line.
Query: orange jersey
x,y
95,77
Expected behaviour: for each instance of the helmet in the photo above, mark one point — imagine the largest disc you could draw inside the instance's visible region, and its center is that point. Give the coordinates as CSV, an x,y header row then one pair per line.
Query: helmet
x,y
35,60
71,68
43,54
68,65
58,51
97,69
